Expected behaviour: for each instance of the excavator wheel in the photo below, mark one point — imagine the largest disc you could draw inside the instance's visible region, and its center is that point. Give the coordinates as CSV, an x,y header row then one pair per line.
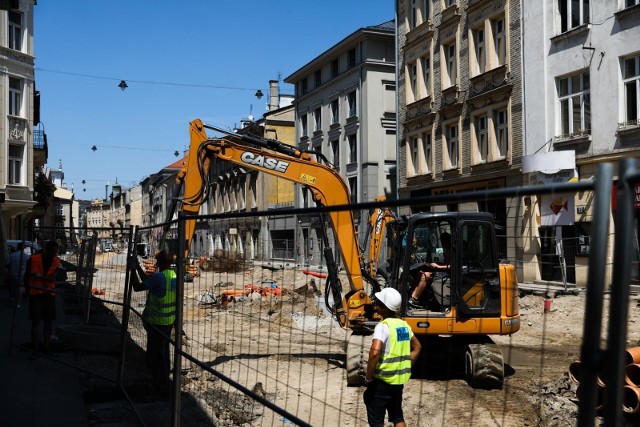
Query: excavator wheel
x,y
357,355
484,366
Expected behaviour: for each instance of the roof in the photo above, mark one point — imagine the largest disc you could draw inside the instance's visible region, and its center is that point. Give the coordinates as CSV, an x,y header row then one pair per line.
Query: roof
x,y
387,28
177,164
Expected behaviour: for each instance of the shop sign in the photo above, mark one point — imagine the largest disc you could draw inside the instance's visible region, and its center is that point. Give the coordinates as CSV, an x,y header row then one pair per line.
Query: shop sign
x,y
559,208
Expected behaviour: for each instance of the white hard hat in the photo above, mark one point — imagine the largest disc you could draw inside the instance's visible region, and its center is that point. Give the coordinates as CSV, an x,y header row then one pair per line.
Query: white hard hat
x,y
390,298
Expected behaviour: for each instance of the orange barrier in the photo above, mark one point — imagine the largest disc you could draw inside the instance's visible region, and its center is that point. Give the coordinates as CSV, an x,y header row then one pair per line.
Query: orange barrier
x,y
315,273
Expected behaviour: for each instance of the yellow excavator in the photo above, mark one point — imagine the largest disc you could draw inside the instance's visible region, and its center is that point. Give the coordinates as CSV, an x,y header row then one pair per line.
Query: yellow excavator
x,y
476,297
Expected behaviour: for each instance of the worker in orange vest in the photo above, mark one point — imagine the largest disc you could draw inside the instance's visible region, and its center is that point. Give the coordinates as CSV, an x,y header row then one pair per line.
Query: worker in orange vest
x,y
41,285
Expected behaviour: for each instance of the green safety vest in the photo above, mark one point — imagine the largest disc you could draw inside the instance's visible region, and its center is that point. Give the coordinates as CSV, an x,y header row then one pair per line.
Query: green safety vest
x,y
395,367
162,311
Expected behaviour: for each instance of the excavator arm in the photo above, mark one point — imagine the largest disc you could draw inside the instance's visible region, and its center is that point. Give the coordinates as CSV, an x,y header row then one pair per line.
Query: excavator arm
x,y
378,220
326,185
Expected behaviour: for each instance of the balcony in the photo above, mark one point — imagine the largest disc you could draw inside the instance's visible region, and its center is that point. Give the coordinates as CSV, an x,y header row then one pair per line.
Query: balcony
x,y
40,148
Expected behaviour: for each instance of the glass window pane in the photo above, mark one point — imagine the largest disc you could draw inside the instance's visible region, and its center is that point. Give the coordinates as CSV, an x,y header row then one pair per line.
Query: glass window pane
x,y
585,81
575,84
564,87
631,100
587,112
630,69
576,116
564,116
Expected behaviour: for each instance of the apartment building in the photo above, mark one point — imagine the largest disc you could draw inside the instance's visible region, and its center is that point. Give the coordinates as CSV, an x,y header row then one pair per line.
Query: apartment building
x,y
345,109
499,93
582,92
460,103
23,149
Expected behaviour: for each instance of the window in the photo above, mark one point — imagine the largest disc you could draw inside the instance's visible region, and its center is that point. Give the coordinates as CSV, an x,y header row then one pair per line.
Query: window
x,y
305,88
317,77
413,155
575,104
351,98
59,209
573,13
478,39
426,74
15,96
353,188
427,150
630,3
450,60
448,3
335,111
426,10
303,125
16,154
502,133
317,117
631,82
15,30
351,58
335,149
335,68
413,72
482,138
353,148
452,145
413,14
499,40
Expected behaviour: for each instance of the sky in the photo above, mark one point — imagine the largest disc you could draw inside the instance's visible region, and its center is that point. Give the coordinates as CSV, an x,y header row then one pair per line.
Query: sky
x,y
181,60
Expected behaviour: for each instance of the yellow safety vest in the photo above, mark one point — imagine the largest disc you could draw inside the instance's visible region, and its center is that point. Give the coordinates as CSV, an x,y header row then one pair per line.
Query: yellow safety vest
x,y
395,367
162,311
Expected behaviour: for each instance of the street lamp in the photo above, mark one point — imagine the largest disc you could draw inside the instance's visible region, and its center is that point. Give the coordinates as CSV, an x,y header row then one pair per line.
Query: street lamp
x,y
123,85
258,94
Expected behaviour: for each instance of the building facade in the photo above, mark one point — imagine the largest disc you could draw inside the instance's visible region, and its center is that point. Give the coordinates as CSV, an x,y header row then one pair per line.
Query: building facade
x,y
345,109
582,72
460,104
20,158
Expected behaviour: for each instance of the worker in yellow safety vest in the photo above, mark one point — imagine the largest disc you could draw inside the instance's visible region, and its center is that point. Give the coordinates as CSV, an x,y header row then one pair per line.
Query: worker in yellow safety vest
x,y
159,317
393,351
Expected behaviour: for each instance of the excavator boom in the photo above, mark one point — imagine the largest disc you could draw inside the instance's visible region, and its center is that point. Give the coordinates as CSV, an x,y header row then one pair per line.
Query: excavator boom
x,y
327,187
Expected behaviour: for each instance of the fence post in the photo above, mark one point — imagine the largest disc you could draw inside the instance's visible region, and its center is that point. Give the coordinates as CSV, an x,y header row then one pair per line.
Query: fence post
x,y
126,304
619,303
177,358
590,351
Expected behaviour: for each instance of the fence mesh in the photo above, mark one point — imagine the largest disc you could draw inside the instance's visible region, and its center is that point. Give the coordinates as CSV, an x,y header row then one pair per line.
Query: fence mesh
x,y
257,346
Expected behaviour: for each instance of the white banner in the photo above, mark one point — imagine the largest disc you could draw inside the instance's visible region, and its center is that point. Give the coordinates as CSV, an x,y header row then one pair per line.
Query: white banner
x,y
559,208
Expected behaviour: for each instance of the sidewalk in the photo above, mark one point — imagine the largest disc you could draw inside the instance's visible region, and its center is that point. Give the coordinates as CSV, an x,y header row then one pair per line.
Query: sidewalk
x,y
40,392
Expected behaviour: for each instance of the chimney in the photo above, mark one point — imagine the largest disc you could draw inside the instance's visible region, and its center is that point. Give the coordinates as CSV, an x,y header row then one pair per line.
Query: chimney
x,y
273,95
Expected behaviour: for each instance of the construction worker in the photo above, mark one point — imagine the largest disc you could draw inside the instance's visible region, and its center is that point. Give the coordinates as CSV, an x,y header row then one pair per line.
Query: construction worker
x,y
393,351
41,285
160,315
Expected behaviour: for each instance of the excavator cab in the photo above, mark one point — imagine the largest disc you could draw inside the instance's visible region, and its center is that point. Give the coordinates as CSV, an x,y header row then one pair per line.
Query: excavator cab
x,y
470,294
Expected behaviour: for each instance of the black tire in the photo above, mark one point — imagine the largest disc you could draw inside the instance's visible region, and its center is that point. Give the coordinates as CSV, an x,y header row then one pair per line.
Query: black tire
x,y
484,366
357,355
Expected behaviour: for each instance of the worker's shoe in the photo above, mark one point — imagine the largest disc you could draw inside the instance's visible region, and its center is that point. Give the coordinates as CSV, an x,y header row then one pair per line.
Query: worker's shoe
x,y
414,303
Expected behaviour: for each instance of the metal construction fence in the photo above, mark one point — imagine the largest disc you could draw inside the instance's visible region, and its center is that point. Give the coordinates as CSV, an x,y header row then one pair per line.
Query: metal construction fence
x,y
255,345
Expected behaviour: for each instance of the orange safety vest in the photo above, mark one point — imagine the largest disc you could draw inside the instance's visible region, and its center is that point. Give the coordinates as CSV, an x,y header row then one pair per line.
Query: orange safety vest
x,y
38,268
